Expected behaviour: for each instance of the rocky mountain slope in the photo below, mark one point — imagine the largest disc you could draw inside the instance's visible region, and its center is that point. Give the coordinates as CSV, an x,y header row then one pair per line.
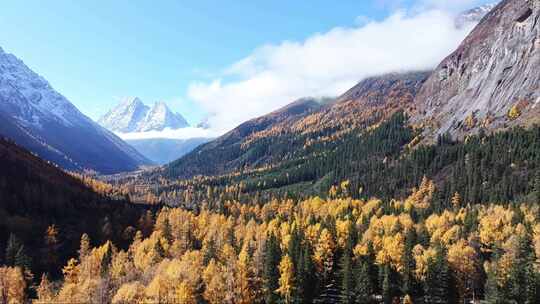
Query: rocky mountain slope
x,y
132,115
491,81
44,121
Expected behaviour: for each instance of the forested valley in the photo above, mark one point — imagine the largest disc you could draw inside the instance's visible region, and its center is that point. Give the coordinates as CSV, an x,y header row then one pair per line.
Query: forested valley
x,y
334,250
411,187
385,161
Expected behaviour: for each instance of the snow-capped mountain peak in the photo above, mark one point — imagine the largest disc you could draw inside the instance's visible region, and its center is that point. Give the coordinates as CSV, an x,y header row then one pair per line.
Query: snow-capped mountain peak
x,y
30,98
474,15
40,119
126,116
132,115
160,117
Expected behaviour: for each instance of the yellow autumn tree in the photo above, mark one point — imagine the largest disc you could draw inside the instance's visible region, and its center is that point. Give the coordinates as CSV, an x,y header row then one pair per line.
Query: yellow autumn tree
x,y
514,112
286,279
84,249
407,300
422,256
51,246
132,292
71,271
456,200
343,228
324,252
185,294
495,225
12,285
214,282
244,278
121,266
392,251
45,291
421,198
463,260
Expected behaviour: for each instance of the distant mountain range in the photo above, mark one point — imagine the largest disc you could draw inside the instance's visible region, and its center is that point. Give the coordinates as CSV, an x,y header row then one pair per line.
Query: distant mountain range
x,y
37,117
132,115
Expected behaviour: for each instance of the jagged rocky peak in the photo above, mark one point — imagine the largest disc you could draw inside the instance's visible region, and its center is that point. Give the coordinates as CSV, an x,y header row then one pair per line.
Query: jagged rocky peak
x,y
132,115
491,81
474,15
126,116
160,117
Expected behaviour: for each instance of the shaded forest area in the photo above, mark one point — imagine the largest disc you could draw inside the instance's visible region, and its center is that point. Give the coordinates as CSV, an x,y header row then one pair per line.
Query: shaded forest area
x,y
45,211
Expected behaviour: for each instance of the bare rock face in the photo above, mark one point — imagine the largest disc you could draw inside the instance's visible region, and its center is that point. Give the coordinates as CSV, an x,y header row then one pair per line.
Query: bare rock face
x,y
492,80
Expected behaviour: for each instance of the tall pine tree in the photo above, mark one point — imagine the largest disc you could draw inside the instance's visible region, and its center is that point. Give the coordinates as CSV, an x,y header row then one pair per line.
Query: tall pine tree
x,y
363,288
271,270
438,286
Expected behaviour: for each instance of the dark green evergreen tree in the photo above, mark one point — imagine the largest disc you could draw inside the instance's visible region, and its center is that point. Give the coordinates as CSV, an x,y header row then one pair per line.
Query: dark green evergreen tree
x,y
167,231
363,288
374,272
387,288
22,259
13,246
210,252
439,285
271,270
537,186
159,251
346,276
493,293
522,280
306,278
409,284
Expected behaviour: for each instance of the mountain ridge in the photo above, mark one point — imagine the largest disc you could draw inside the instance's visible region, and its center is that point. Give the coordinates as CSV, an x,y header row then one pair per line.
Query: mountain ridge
x,y
44,121
286,132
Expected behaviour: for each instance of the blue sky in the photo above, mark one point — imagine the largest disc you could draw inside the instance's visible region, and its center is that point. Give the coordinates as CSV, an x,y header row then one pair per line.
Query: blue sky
x,y
95,52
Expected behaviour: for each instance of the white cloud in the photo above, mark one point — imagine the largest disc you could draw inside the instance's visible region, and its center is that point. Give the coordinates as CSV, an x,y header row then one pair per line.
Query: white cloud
x,y
183,133
422,5
326,64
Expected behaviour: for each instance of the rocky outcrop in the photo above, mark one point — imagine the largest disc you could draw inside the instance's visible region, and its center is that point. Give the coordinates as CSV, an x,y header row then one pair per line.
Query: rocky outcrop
x,y
492,80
